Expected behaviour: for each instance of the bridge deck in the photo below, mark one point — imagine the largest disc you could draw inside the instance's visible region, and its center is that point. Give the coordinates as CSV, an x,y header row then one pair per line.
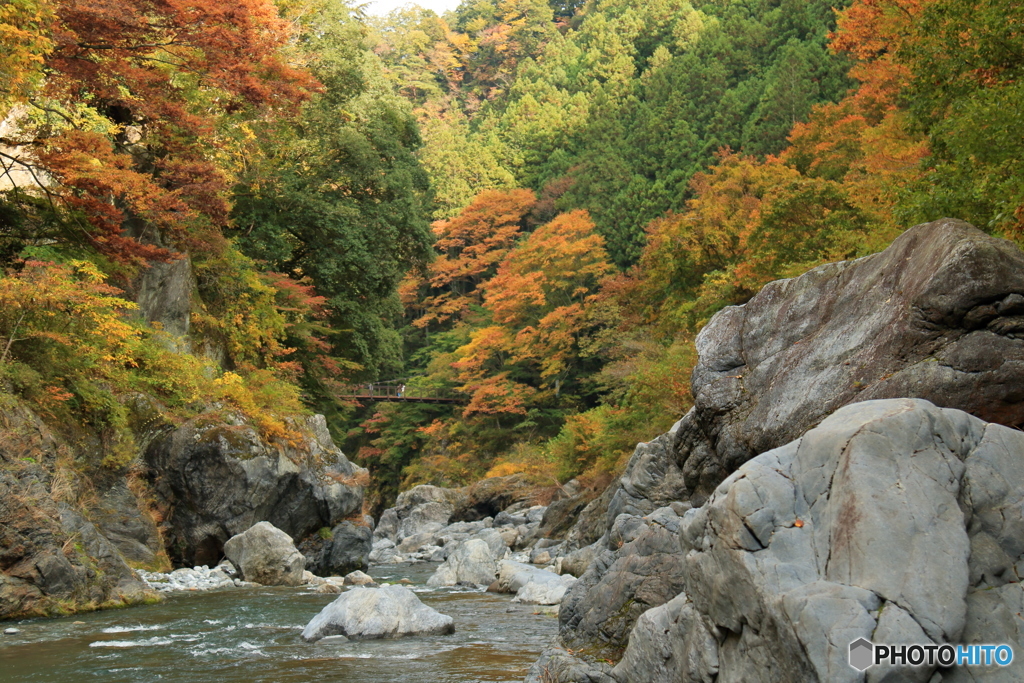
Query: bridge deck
x,y
394,398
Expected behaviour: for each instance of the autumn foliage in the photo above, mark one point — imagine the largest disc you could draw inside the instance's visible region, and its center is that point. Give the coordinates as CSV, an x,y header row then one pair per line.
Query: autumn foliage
x,y
117,130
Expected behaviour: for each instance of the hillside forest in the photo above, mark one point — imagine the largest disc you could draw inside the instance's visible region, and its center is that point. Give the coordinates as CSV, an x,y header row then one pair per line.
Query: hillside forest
x,y
531,206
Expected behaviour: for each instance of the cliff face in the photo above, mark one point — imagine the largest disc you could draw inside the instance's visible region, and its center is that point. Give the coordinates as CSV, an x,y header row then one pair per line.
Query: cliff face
x,y
53,559
217,478
70,534
937,316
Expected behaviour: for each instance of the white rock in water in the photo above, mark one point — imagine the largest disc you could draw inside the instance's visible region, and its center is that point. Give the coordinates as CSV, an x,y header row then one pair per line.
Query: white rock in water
x,y
545,588
358,578
266,555
11,631
385,612
471,562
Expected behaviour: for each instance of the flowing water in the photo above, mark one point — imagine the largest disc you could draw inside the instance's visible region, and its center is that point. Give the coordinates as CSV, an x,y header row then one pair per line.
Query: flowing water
x,y
252,635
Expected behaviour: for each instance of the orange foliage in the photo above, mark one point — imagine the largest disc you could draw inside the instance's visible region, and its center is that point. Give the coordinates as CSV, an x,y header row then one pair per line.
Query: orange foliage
x,y
558,265
470,246
166,68
537,300
865,140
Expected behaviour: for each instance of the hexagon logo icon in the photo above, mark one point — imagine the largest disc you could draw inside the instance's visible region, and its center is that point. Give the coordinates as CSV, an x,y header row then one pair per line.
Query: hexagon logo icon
x,y
862,654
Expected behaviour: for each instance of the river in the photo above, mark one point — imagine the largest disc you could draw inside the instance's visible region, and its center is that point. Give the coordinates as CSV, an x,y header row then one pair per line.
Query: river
x,y
252,635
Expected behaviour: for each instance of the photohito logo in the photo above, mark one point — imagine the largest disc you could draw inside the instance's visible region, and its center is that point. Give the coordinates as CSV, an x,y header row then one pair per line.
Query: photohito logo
x,y
864,654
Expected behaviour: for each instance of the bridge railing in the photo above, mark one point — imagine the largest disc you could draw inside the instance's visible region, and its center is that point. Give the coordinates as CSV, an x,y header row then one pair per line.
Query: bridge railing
x,y
398,391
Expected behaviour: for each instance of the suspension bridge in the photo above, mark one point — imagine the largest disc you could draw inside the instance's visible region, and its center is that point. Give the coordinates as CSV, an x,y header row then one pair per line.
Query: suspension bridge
x,y
398,390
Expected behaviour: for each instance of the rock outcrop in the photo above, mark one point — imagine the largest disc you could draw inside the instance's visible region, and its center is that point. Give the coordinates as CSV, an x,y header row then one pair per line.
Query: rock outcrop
x,y
939,316
369,613
892,520
218,478
266,555
347,550
53,559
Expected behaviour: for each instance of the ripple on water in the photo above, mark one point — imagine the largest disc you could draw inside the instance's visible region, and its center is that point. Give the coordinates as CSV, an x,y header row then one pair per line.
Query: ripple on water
x,y
149,642
132,629
253,636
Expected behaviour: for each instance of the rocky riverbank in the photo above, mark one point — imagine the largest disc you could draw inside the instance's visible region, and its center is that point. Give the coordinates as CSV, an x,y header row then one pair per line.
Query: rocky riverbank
x,y
850,468
772,526
70,536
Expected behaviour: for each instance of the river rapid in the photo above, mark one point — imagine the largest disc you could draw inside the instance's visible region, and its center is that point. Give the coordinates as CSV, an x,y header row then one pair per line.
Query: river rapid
x,y
252,635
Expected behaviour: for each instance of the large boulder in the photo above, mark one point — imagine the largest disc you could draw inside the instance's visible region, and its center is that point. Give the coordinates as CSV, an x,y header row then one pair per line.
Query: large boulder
x,y
894,521
369,613
471,563
544,588
419,512
266,555
939,315
532,585
218,478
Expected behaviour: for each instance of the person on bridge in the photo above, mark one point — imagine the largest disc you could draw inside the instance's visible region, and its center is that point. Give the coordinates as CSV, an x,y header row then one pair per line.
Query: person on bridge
x,y
401,391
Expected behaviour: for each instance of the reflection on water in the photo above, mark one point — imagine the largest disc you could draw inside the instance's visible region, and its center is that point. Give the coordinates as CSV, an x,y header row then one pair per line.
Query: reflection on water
x,y
252,635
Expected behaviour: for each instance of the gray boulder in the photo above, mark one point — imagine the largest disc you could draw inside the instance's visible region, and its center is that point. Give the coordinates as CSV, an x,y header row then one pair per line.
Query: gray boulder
x,y
495,543
371,613
862,528
531,585
424,519
938,315
417,516
470,563
544,588
266,555
384,552
514,575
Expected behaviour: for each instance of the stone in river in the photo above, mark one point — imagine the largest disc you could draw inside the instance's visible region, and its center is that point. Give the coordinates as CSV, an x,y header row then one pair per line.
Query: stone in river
x,y
370,613
266,555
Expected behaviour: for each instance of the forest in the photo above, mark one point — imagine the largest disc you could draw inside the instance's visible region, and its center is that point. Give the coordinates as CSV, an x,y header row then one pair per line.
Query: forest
x,y
534,206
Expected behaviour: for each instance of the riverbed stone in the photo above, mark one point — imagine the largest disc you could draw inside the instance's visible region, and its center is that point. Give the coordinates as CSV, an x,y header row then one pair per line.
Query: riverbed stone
x,y
544,588
371,613
266,555
472,562
358,578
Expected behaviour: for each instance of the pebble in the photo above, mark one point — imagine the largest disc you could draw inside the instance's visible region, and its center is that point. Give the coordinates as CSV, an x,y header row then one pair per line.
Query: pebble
x,y
11,631
195,579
